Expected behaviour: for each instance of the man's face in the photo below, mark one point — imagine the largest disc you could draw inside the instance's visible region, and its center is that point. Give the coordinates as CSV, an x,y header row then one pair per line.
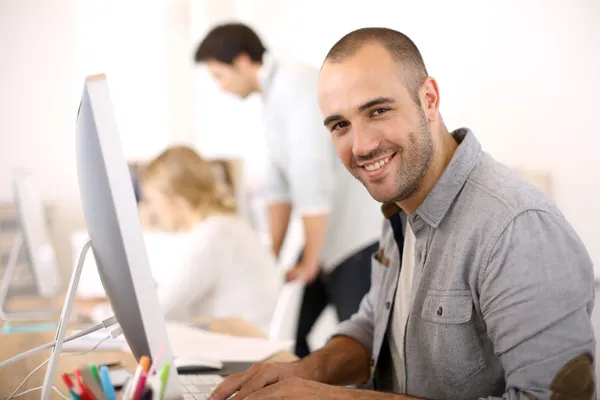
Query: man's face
x,y
381,135
231,78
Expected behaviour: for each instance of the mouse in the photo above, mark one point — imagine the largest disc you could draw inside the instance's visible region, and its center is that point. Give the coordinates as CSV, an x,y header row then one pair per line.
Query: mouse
x,y
191,365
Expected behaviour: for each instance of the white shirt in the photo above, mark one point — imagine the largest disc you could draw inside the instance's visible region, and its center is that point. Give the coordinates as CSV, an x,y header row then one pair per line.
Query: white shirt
x,y
225,271
402,305
304,168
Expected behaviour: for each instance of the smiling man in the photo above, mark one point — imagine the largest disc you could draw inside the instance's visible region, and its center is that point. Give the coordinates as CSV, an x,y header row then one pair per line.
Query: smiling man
x,y
480,288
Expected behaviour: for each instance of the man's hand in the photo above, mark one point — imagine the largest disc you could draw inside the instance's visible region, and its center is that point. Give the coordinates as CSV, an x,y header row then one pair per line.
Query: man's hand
x,y
304,271
296,389
257,377
342,361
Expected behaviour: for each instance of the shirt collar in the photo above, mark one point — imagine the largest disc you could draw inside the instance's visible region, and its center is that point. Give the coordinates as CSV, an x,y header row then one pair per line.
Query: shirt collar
x,y
438,201
266,72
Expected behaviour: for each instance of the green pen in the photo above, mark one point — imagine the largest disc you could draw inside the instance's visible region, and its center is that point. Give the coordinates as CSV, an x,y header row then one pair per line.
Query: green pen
x,y
164,379
95,373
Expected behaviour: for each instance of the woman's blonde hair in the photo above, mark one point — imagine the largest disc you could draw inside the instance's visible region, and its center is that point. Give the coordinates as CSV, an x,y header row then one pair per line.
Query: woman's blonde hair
x,y
180,171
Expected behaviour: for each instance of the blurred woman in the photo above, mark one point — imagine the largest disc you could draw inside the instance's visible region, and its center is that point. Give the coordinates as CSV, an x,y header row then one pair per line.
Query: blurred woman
x,y
225,270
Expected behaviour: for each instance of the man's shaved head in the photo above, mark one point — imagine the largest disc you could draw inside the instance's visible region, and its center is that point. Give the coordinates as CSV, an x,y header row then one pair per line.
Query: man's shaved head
x,y
402,49
382,110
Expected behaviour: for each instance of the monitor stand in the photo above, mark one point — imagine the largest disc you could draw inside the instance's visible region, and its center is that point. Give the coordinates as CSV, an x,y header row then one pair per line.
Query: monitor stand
x,y
43,314
62,324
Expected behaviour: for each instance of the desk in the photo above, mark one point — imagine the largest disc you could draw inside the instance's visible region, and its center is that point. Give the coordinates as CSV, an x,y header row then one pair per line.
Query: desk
x,y
13,344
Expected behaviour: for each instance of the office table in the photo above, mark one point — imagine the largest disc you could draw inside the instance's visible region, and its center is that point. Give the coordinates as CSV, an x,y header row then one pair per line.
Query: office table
x,y
15,343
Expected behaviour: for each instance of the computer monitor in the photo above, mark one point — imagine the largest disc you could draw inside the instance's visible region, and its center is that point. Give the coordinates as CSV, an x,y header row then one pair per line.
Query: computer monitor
x,y
34,237
33,222
110,212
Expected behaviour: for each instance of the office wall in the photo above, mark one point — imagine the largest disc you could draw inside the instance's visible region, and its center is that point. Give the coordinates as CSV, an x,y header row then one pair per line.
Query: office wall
x,y
127,41
38,104
522,74
47,48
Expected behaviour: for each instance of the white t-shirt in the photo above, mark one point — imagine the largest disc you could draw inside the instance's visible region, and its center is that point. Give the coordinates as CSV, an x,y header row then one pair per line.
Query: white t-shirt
x,y
224,271
402,305
303,166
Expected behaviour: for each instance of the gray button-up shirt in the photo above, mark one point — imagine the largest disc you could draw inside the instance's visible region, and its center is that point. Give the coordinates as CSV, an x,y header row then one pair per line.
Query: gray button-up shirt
x,y
503,290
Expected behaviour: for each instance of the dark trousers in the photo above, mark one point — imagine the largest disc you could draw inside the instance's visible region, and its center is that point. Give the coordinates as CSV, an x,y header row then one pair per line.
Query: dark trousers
x,y
344,287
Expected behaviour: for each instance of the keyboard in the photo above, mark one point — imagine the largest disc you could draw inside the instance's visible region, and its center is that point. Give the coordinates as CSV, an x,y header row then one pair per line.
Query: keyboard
x,y
198,387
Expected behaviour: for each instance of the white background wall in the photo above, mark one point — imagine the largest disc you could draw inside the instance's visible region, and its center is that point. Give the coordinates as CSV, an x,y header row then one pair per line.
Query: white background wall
x,y
38,103
523,74
47,48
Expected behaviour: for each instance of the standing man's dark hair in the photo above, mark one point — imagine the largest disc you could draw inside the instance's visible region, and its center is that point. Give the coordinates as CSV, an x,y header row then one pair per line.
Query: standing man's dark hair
x,y
225,42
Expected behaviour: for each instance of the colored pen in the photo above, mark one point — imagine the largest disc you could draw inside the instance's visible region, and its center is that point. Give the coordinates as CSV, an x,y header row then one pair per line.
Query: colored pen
x,y
107,386
156,359
109,365
147,394
141,384
86,393
93,386
136,377
164,379
125,389
72,390
95,374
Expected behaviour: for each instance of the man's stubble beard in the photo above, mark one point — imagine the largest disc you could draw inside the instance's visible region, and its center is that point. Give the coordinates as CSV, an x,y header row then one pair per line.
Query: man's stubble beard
x,y
414,165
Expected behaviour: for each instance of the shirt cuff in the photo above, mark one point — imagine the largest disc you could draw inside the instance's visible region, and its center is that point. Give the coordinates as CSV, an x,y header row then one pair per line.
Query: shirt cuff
x,y
278,199
354,331
311,211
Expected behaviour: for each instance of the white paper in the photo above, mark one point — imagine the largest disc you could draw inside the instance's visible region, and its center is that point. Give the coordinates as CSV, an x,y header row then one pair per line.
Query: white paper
x,y
188,343
88,342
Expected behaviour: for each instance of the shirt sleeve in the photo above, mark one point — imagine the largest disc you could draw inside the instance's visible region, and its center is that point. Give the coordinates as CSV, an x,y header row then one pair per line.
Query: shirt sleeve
x,y
537,294
278,190
194,277
311,159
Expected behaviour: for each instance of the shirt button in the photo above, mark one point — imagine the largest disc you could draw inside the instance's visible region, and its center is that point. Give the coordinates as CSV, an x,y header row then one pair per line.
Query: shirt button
x,y
387,305
440,311
372,362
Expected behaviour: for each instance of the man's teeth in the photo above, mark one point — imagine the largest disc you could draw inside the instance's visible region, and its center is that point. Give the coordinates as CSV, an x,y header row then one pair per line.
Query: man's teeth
x,y
377,165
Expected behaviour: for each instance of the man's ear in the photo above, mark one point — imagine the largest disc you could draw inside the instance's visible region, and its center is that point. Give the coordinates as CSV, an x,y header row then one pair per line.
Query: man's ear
x,y
242,60
430,98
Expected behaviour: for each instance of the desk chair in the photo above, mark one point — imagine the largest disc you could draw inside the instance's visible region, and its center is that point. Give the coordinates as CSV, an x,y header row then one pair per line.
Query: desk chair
x,y
285,317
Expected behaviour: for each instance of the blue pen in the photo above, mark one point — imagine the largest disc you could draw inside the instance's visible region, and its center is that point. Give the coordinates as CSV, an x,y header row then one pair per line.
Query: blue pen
x,y
107,385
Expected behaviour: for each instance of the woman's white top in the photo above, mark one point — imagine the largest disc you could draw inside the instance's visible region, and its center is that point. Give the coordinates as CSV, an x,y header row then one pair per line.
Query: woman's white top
x,y
223,271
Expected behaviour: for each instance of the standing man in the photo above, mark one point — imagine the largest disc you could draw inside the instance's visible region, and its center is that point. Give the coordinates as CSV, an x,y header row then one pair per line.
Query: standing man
x,y
481,288
341,221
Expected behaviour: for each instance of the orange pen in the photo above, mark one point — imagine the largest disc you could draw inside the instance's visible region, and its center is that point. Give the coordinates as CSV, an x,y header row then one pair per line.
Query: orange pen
x,y
141,369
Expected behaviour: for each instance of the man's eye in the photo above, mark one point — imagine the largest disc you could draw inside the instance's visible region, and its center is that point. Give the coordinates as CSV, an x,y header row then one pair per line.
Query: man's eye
x,y
339,125
379,111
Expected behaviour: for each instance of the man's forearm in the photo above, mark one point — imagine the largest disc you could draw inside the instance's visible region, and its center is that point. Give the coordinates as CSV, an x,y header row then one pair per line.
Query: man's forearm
x,y
342,361
314,236
353,394
279,219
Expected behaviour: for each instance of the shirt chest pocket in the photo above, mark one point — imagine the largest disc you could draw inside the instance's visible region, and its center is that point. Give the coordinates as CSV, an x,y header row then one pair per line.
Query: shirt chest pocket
x,y
450,342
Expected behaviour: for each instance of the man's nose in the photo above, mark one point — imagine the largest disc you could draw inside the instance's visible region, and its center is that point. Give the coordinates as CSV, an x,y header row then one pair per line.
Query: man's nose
x,y
364,141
